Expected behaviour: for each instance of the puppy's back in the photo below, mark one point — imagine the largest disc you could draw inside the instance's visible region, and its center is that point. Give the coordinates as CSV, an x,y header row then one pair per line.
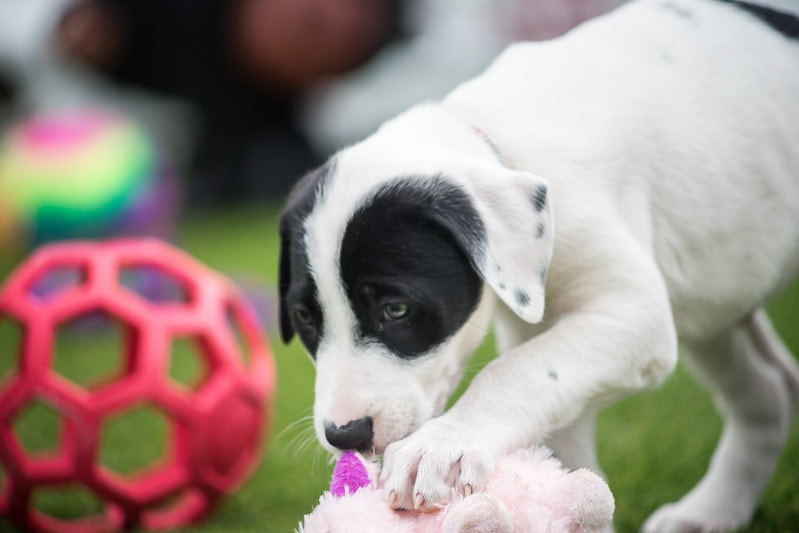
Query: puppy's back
x,y
689,111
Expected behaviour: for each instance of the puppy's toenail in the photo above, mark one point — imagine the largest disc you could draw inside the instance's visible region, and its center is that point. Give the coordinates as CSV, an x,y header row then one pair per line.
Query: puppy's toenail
x,y
392,500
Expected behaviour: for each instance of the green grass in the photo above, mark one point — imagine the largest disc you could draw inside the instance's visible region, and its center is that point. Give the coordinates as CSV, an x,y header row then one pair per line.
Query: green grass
x,y
653,446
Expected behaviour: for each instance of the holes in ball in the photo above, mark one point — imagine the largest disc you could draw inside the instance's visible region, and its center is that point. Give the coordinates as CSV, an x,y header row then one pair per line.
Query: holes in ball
x,y
37,428
171,511
11,335
57,280
188,366
154,284
93,350
67,502
134,441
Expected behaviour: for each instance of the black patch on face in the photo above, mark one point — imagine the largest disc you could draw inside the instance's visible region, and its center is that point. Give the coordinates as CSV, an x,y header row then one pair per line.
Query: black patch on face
x,y
540,198
413,244
298,293
785,23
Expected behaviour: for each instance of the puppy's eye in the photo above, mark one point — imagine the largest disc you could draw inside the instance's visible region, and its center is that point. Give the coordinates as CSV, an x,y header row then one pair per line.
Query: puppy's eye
x,y
395,310
303,317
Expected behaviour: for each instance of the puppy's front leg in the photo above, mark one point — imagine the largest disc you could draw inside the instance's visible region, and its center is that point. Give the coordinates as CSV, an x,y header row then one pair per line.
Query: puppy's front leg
x,y
606,343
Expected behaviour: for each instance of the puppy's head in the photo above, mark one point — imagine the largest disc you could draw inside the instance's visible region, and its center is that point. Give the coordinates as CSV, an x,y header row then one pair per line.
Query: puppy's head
x,y
391,256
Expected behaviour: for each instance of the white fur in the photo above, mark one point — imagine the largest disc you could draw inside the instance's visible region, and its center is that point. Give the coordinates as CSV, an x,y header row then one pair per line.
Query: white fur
x,y
670,144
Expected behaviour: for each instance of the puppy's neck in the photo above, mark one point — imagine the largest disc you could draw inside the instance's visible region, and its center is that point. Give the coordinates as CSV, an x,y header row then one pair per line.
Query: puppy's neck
x,y
428,139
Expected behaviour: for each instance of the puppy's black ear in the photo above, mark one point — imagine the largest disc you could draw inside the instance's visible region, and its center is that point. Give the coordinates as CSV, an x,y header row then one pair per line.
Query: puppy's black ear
x,y
300,203
284,280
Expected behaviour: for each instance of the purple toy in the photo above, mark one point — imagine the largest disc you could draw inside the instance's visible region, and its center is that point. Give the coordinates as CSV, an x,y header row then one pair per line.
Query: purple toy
x,y
349,475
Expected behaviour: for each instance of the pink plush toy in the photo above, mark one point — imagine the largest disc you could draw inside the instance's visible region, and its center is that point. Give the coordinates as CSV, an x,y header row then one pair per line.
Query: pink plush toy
x,y
530,491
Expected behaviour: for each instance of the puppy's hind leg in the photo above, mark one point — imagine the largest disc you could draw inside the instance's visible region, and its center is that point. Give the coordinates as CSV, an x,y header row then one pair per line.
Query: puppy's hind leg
x,y
755,381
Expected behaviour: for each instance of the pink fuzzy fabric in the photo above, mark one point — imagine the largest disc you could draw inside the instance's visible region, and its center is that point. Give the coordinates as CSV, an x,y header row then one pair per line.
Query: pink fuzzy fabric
x,y
530,491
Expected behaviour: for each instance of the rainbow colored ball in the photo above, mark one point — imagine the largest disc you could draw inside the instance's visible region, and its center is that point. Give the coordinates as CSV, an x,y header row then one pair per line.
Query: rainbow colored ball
x,y
88,173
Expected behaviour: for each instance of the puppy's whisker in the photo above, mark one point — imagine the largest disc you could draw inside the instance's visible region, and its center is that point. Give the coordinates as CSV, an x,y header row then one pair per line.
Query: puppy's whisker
x,y
473,368
483,330
308,442
302,421
301,443
295,430
318,459
301,436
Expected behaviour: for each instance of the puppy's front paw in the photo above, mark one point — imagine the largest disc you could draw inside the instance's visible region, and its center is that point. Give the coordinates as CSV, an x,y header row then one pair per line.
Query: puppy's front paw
x,y
424,469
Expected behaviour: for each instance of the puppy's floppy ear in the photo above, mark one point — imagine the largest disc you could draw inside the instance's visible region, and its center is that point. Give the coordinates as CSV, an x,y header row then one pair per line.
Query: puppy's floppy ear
x,y
284,280
299,205
513,258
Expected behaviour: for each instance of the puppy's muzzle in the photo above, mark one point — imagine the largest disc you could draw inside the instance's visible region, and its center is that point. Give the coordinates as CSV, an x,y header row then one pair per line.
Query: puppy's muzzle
x,y
354,435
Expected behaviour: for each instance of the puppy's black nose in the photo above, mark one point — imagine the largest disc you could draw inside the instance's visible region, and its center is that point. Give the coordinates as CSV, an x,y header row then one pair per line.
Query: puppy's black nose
x,y
354,435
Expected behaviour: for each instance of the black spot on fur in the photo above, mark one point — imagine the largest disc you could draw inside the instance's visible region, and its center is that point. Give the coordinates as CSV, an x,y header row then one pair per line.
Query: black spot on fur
x,y
522,298
783,22
553,375
539,230
297,287
540,198
415,242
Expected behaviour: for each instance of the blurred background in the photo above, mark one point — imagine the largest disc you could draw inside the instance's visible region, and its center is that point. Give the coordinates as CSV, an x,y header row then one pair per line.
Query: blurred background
x,y
244,96
192,119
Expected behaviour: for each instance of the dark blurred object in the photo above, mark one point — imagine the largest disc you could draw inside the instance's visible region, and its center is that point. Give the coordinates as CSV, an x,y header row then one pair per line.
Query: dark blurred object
x,y
6,90
293,44
243,63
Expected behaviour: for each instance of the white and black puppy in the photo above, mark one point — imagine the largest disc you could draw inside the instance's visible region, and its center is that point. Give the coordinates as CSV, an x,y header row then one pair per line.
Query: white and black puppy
x,y
598,198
